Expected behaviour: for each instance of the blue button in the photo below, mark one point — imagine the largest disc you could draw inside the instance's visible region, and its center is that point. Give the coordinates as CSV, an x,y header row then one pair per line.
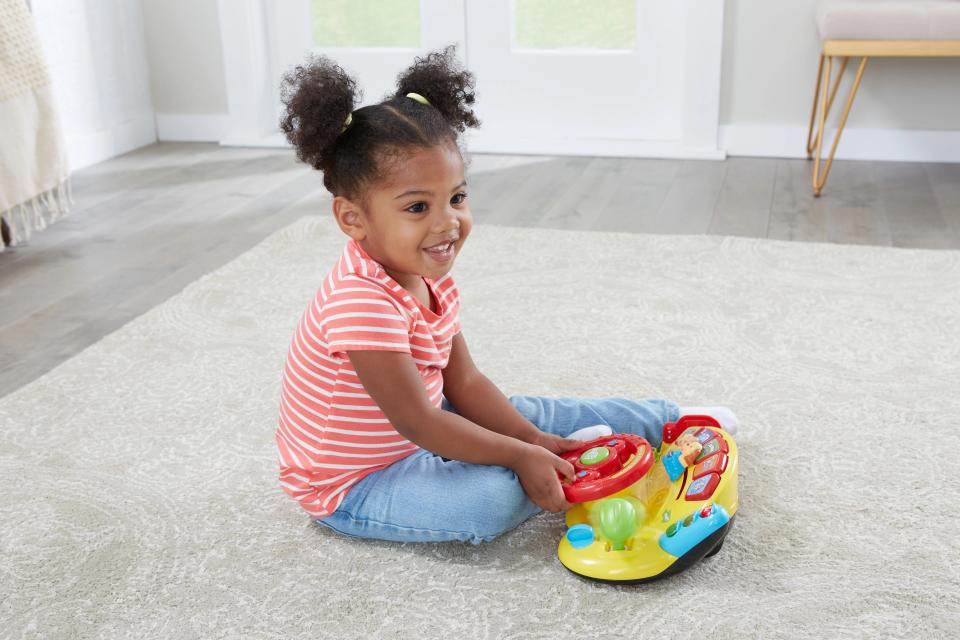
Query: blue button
x,y
673,465
580,536
581,474
697,486
706,435
612,443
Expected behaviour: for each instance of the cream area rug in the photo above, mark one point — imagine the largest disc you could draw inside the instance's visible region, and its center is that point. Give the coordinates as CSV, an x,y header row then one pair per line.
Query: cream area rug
x,y
139,493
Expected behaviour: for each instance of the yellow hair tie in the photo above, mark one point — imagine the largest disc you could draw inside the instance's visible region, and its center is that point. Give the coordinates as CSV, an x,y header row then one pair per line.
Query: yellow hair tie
x,y
415,96
419,98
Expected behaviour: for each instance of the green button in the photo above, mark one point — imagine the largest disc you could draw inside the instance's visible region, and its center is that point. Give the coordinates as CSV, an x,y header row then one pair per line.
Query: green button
x,y
710,448
672,529
595,455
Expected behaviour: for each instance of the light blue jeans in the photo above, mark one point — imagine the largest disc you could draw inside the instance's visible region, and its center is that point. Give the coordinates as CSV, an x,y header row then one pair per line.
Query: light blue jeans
x,y
427,498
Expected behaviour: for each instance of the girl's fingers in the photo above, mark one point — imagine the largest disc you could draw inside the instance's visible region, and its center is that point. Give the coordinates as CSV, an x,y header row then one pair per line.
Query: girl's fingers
x,y
561,500
566,469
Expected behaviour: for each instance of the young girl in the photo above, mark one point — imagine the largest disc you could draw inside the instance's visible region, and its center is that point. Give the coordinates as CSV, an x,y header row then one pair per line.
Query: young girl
x,y
387,429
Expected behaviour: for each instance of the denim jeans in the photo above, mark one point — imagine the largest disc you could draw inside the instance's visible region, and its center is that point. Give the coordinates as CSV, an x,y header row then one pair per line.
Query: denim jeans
x,y
427,498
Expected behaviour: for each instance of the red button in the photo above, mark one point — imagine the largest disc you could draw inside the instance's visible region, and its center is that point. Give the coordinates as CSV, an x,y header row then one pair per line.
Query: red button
x,y
705,435
702,488
706,511
712,447
713,464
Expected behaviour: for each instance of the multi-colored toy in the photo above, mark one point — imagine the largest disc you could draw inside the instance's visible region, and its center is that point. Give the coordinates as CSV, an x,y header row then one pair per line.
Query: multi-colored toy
x,y
641,513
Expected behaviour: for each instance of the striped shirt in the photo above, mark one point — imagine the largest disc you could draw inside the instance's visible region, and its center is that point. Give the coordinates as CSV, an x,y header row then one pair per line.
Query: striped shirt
x,y
331,433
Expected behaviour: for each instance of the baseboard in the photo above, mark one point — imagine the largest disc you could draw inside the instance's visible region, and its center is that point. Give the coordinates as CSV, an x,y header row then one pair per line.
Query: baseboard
x,y
536,146
479,142
273,140
179,127
90,148
905,145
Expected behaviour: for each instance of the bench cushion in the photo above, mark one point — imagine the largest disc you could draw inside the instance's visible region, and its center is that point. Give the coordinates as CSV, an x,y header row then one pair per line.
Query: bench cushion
x,y
888,19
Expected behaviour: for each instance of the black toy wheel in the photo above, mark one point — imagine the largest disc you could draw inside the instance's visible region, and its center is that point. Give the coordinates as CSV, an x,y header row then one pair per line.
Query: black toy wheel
x,y
713,542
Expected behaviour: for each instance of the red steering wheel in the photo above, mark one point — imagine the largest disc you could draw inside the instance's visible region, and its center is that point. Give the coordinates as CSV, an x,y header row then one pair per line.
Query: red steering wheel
x,y
605,465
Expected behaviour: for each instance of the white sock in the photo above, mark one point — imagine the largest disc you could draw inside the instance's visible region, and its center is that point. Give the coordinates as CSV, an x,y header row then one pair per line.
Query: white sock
x,y
589,433
726,418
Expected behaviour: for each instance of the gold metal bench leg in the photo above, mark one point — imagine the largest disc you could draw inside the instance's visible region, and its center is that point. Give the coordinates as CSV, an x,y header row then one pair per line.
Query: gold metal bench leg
x,y
826,102
816,98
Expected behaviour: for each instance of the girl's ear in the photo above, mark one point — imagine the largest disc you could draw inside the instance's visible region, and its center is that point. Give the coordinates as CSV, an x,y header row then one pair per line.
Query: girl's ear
x,y
349,218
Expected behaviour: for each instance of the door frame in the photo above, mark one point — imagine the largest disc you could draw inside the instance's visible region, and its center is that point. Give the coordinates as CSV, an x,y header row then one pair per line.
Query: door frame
x,y
251,117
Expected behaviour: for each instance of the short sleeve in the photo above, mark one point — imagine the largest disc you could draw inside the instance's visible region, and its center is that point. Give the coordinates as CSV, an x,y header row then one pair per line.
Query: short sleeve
x,y
454,315
451,296
367,320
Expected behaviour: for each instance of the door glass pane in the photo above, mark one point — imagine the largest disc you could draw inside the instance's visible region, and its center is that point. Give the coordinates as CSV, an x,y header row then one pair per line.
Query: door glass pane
x,y
575,24
370,23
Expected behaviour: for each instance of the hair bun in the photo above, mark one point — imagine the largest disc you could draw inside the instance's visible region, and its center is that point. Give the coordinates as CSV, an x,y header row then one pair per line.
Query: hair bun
x,y
448,87
318,96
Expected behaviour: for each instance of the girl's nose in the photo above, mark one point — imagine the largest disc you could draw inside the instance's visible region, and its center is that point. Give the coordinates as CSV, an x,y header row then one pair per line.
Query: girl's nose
x,y
449,219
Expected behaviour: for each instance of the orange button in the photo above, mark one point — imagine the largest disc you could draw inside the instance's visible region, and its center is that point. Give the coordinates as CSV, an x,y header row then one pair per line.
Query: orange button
x,y
714,464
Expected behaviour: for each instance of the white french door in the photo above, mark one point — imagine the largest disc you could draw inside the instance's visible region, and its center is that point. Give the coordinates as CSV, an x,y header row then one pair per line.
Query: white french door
x,y
608,77
292,35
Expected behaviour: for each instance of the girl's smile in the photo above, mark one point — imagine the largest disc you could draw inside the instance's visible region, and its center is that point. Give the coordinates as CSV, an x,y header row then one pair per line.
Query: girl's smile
x,y
444,251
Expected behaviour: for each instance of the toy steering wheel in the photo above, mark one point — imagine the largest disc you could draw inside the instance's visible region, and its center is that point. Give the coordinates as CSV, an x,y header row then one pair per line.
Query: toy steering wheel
x,y
605,465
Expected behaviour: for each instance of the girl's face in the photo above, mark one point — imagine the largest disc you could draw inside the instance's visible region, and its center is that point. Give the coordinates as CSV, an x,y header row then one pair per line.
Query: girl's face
x,y
413,216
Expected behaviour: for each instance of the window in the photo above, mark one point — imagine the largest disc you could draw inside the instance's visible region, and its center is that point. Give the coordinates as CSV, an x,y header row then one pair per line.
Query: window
x,y
575,24
371,23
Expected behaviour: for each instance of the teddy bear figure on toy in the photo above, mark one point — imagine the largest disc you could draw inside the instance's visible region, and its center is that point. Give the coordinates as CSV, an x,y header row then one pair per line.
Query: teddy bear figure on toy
x,y
690,448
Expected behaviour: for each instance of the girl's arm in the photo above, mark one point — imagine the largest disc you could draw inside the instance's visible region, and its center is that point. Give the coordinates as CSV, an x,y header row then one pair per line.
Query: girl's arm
x,y
477,399
392,380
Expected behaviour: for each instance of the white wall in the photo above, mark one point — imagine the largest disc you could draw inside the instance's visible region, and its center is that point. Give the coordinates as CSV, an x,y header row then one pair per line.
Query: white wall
x,y
905,108
770,69
186,68
96,54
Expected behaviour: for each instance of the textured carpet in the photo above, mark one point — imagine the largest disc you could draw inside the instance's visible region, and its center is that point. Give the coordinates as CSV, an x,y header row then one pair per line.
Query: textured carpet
x,y
139,483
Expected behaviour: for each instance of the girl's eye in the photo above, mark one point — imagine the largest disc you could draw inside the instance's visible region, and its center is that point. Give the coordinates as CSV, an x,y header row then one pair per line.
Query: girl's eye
x,y
461,195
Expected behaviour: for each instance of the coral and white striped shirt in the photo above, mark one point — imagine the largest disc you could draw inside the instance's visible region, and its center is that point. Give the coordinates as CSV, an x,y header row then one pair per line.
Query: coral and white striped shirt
x,y
331,433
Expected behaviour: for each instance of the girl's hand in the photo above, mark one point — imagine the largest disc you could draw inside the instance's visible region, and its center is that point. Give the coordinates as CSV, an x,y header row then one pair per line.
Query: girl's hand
x,y
555,444
537,469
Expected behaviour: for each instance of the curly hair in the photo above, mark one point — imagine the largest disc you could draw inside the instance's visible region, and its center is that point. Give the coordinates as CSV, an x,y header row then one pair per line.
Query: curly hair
x,y
319,95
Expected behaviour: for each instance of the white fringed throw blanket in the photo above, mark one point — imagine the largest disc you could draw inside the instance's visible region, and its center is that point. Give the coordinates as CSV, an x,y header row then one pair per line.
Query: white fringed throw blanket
x,y
34,176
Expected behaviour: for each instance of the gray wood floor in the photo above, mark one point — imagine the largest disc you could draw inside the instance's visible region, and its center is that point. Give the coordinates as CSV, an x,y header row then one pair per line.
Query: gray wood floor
x,y
148,223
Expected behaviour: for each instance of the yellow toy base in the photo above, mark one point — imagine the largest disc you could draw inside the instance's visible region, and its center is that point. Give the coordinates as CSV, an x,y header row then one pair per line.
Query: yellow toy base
x,y
678,521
